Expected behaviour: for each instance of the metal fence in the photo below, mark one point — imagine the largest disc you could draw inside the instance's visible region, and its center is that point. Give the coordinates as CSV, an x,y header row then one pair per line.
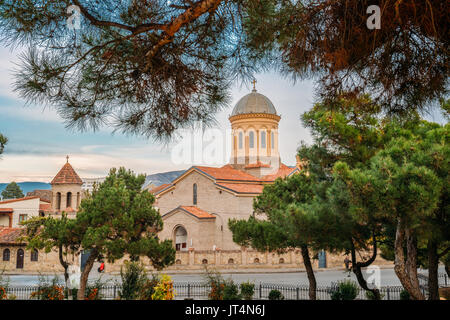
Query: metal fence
x,y
200,290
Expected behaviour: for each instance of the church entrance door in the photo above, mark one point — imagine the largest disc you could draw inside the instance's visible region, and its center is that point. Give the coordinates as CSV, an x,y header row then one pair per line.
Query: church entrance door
x,y
180,239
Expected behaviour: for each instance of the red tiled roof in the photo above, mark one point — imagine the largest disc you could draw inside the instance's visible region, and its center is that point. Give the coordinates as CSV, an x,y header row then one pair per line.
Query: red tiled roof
x,y
282,172
242,187
67,175
227,172
18,199
6,210
159,188
10,235
199,213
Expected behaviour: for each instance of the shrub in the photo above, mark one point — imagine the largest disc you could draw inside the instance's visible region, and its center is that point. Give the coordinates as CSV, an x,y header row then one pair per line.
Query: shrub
x,y
371,296
247,290
217,284
134,278
3,295
148,289
164,289
231,291
93,290
346,290
48,290
404,295
275,295
3,286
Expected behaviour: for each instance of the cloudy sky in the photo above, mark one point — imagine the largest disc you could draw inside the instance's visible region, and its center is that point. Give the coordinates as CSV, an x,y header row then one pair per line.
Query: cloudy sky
x,y
39,142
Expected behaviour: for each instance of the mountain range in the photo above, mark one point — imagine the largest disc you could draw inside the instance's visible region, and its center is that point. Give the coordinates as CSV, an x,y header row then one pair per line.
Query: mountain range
x,y
157,179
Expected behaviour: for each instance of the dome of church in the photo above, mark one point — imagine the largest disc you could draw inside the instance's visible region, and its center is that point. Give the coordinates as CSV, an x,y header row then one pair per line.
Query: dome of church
x,y
254,102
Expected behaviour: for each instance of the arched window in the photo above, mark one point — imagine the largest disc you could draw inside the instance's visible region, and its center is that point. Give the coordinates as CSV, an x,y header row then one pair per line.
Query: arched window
x,y
194,194
241,140
20,256
281,261
178,261
272,140
69,200
256,260
263,139
204,261
58,201
251,138
230,261
34,255
78,200
6,254
180,239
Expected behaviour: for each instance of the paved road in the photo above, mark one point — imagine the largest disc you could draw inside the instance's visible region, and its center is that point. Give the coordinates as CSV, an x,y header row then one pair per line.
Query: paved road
x,y
387,277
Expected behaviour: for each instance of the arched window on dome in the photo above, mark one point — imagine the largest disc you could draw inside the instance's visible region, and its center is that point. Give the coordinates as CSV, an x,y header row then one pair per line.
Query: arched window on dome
x,y
251,138
241,140
263,139
272,140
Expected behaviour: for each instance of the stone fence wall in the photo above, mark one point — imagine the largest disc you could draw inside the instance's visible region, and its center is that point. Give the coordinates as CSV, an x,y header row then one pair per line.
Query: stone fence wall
x,y
187,260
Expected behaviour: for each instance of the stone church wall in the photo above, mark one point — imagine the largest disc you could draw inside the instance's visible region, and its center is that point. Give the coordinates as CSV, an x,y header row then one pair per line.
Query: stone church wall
x,y
192,260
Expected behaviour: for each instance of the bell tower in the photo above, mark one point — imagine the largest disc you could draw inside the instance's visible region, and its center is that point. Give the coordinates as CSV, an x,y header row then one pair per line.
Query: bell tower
x,y
66,189
254,124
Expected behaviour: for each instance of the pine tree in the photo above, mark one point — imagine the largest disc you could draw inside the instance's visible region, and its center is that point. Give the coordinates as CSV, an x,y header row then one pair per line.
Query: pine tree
x,y
3,142
12,191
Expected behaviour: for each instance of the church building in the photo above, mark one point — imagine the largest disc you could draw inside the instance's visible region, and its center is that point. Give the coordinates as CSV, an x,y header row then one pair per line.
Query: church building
x,y
197,205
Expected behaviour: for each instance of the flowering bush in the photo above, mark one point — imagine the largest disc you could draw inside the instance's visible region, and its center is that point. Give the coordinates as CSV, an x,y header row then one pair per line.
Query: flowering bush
x,y
217,284
53,292
148,289
164,289
93,290
48,290
3,295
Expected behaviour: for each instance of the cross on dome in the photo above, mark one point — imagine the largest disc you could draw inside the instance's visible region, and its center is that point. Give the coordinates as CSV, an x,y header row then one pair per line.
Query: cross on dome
x,y
254,85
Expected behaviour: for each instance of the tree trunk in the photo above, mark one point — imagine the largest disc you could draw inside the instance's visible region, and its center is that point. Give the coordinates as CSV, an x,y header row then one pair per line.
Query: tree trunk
x,y
447,268
405,266
433,264
66,273
310,272
85,274
357,269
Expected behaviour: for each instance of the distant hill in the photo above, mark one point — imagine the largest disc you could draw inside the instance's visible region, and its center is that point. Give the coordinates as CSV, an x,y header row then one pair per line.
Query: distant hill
x,y
157,179
28,186
162,178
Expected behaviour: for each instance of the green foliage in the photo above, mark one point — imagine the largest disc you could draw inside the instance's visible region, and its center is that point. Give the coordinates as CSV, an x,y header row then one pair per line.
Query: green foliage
x,y
93,290
404,295
247,290
12,191
48,289
345,290
215,280
371,296
3,142
275,295
134,282
4,283
164,288
231,291
118,218
148,288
